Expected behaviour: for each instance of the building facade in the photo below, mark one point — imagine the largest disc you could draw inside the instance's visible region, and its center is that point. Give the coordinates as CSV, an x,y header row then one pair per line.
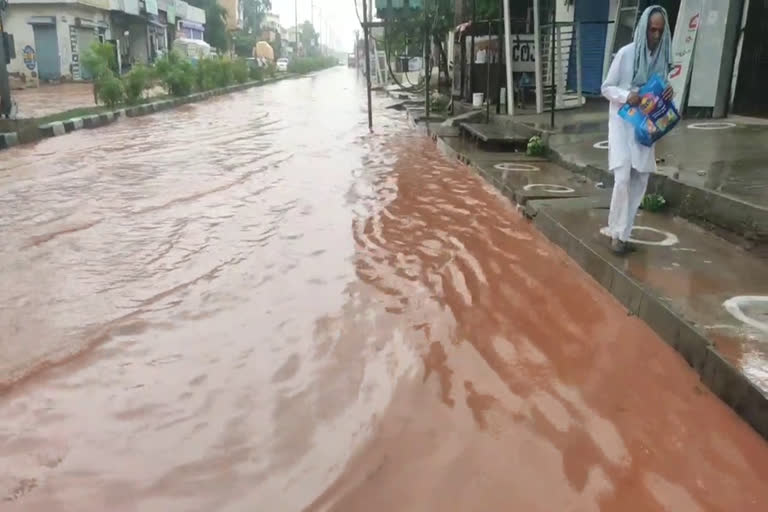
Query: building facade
x,y
234,13
723,42
50,38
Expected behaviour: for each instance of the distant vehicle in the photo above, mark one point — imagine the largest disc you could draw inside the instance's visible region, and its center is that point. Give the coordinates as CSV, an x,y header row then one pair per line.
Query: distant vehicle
x,y
351,61
263,50
282,64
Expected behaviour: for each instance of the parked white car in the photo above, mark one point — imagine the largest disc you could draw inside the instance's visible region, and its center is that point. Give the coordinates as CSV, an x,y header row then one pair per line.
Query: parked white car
x,y
282,64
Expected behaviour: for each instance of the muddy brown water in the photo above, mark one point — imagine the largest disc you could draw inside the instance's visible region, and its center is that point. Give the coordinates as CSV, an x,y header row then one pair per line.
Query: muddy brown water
x,y
252,304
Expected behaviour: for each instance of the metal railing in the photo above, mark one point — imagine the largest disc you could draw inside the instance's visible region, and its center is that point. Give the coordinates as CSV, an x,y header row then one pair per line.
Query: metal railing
x,y
559,49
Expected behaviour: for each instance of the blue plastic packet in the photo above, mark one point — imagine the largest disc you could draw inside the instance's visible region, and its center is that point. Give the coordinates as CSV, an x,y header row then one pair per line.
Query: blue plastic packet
x,y
653,117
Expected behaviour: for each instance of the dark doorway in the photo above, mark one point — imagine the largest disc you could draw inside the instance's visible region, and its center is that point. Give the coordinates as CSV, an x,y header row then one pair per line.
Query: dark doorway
x,y
750,97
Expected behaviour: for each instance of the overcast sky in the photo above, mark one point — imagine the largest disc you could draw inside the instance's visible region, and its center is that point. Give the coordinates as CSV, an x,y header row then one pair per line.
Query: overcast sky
x,y
337,15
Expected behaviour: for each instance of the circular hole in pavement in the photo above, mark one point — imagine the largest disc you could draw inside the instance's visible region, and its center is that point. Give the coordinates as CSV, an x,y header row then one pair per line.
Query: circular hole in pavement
x,y
548,187
711,126
516,167
603,144
749,309
667,238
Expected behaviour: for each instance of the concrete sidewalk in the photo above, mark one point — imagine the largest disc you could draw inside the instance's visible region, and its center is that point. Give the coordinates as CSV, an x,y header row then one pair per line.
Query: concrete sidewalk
x,y
703,295
712,171
51,99
48,100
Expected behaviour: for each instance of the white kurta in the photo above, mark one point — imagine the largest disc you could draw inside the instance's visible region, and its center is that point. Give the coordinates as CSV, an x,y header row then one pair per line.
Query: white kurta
x,y
623,148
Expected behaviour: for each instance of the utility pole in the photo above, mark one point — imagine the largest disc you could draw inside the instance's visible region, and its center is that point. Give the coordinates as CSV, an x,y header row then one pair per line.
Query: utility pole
x,y
5,87
296,17
366,32
427,62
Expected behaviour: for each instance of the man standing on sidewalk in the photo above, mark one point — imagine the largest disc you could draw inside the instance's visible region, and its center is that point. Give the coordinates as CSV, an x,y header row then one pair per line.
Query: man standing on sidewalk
x,y
630,161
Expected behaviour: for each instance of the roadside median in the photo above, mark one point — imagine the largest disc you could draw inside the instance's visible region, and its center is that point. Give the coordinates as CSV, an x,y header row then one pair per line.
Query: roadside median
x,y
32,130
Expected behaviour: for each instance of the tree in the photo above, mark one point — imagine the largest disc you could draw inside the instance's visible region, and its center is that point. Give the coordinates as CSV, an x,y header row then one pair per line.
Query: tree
x,y
254,12
309,38
215,23
407,29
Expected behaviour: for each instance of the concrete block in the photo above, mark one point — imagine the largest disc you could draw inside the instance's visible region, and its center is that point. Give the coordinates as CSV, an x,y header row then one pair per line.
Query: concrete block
x,y
600,270
91,121
52,129
8,140
70,125
660,318
692,345
627,292
736,390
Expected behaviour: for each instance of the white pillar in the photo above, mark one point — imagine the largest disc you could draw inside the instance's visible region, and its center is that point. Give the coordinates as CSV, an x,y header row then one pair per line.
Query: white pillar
x,y
537,51
508,53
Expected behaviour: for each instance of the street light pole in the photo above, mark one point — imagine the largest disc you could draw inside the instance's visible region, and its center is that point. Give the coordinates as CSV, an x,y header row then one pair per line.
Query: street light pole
x,y
366,31
296,19
5,87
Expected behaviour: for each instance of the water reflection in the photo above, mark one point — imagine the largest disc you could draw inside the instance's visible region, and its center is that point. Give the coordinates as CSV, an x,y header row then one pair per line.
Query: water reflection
x,y
285,312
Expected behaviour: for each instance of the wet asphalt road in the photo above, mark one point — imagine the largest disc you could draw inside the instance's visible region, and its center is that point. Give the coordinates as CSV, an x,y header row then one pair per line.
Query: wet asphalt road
x,y
253,304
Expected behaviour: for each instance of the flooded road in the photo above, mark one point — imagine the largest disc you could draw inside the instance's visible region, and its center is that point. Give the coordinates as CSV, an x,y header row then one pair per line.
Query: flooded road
x,y
252,304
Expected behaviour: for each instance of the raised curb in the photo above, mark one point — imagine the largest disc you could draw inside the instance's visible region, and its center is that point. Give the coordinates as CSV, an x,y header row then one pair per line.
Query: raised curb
x,y
722,378
747,220
57,128
8,140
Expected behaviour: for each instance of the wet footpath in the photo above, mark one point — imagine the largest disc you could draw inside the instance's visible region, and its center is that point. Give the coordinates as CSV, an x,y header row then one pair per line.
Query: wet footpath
x,y
252,304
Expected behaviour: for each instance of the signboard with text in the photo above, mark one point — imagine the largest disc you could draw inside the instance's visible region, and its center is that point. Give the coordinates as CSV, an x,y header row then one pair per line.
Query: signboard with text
x,y
30,57
683,44
151,6
522,46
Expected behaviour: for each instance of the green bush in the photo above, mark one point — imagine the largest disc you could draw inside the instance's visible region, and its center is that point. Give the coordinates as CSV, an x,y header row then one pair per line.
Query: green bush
x,y
256,73
100,61
224,73
110,90
304,65
205,74
653,203
240,71
176,73
535,146
136,82
181,80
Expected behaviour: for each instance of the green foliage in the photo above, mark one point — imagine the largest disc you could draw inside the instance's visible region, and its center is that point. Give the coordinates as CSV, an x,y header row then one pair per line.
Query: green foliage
x,y
100,59
309,38
136,82
240,71
176,73
178,76
244,42
536,146
253,14
440,102
205,76
256,73
215,23
653,203
110,88
223,73
309,64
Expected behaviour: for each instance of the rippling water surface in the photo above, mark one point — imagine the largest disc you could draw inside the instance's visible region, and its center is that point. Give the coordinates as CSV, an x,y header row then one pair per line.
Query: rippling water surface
x,y
253,304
